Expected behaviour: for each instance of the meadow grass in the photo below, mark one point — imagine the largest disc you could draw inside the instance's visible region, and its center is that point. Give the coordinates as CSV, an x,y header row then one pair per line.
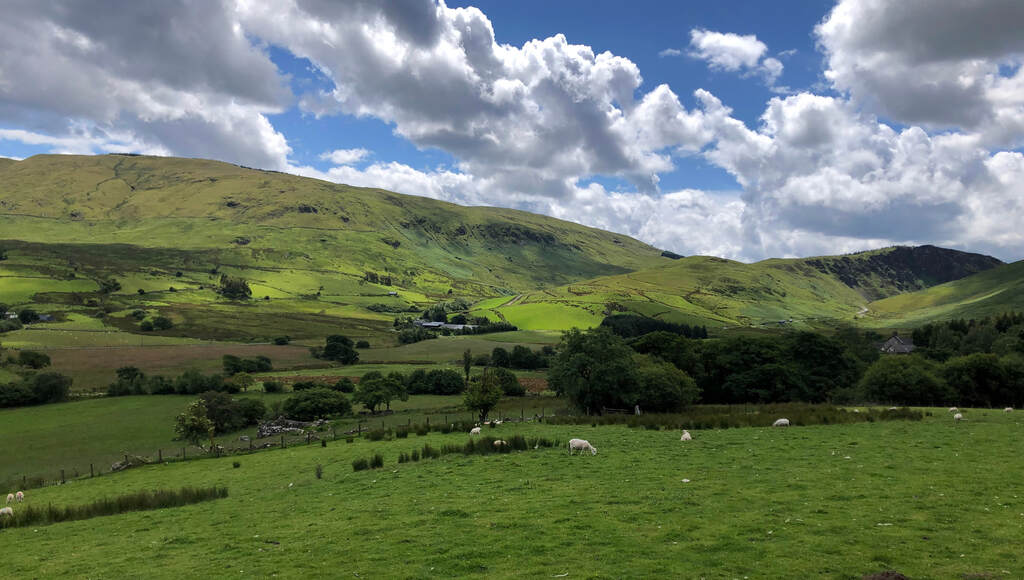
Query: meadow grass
x,y
930,499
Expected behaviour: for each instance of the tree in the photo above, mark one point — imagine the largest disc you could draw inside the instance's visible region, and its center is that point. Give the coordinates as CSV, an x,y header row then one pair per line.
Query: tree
x,y
467,363
372,391
524,358
340,348
109,286
162,323
663,388
316,404
594,370
28,316
905,380
500,357
234,288
193,425
33,359
508,382
482,396
50,387
979,379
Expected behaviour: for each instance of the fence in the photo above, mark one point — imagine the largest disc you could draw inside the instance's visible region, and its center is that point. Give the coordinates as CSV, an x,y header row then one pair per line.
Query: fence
x,y
282,441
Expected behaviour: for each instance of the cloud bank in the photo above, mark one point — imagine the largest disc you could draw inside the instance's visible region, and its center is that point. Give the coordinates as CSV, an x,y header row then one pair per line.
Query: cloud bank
x,y
912,143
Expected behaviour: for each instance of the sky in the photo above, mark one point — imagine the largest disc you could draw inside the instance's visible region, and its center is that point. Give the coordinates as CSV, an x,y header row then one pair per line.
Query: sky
x,y
745,130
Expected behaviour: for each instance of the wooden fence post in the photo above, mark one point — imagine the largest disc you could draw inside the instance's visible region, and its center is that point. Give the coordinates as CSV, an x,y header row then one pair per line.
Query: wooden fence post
x,y
250,444
334,433
91,474
282,441
160,455
62,476
182,453
308,434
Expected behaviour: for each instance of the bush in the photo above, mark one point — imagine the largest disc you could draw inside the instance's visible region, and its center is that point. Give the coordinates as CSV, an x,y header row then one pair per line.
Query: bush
x,y
33,359
360,465
377,461
162,323
139,314
508,382
318,471
230,414
28,316
344,385
272,387
234,365
236,464
10,324
316,404
362,344
282,340
146,326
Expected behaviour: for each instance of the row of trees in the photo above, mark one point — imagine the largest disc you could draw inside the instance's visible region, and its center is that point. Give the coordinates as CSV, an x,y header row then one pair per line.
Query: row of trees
x,y
36,389
1000,335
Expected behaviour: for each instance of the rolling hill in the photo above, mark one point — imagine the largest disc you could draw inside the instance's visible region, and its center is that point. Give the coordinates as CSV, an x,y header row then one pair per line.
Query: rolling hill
x,y
718,292
316,253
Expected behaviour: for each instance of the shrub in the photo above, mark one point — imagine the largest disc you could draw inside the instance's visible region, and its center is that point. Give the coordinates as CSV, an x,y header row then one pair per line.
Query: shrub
x,y
429,452
28,316
146,326
402,432
318,471
360,465
339,348
282,340
162,323
236,464
139,314
377,461
377,434
316,404
509,383
344,385
403,457
415,455
33,359
362,344
272,387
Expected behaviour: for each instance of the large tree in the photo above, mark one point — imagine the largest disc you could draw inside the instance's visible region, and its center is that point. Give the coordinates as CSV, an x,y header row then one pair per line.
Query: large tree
x,y
193,425
905,380
594,369
482,396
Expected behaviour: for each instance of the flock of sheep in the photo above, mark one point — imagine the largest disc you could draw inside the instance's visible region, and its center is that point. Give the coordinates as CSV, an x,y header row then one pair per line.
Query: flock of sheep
x,y
7,510
582,445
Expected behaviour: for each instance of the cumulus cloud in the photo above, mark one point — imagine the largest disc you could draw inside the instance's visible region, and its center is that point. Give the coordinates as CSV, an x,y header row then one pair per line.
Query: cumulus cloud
x,y
344,156
731,52
178,77
941,64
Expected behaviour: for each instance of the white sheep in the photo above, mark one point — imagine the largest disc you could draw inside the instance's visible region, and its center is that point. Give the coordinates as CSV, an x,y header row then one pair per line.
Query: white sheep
x,y
1008,410
781,423
10,497
954,410
686,436
6,511
893,408
20,496
499,442
958,417
581,445
474,431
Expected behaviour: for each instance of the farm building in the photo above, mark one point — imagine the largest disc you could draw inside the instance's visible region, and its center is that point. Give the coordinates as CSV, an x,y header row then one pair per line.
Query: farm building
x,y
898,345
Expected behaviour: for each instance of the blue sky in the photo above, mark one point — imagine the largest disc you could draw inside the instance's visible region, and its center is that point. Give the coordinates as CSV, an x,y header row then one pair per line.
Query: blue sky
x,y
741,129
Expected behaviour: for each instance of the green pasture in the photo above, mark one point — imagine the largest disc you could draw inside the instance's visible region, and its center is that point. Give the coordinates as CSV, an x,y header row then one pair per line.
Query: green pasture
x,y
930,499
20,290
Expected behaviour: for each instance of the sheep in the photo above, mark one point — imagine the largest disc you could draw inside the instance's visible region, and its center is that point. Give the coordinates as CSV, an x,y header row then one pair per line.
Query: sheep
x,y
581,445
6,511
499,442
954,410
686,436
1008,410
893,408
781,423
10,497
474,431
958,417
20,496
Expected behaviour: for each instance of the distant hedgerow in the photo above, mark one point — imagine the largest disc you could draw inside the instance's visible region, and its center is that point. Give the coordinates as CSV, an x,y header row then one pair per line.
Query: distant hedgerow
x,y
143,500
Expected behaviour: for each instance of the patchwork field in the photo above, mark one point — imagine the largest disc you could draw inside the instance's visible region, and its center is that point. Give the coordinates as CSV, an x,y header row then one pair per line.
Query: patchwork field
x,y
930,499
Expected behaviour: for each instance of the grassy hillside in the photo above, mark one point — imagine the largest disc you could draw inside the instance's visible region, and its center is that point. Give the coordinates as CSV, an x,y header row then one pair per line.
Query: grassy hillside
x,y
807,502
718,292
987,293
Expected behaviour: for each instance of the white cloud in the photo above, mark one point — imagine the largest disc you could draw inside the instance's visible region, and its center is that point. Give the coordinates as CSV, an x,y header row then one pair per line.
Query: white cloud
x,y
935,63
731,52
345,156
670,52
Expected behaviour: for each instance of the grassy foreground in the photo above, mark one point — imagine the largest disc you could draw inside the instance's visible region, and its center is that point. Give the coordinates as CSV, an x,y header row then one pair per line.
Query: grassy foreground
x,y
930,499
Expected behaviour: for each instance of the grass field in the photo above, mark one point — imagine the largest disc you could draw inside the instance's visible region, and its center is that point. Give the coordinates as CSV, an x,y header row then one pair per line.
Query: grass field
x,y
929,499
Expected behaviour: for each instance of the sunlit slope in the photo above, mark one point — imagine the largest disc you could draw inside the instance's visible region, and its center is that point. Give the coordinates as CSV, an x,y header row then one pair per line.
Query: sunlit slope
x,y
263,219
714,291
987,293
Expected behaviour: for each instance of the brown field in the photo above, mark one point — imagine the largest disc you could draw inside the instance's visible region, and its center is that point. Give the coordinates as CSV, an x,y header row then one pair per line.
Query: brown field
x,y
94,367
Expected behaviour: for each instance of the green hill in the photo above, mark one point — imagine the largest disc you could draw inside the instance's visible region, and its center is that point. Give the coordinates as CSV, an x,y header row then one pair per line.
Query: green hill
x,y
320,252
714,291
984,294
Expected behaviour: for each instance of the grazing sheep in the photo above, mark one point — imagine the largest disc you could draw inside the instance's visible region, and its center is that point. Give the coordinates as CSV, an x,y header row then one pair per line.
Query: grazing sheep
x,y
499,442
20,496
686,436
1008,410
6,511
856,410
958,417
954,410
10,497
474,431
581,445
781,423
